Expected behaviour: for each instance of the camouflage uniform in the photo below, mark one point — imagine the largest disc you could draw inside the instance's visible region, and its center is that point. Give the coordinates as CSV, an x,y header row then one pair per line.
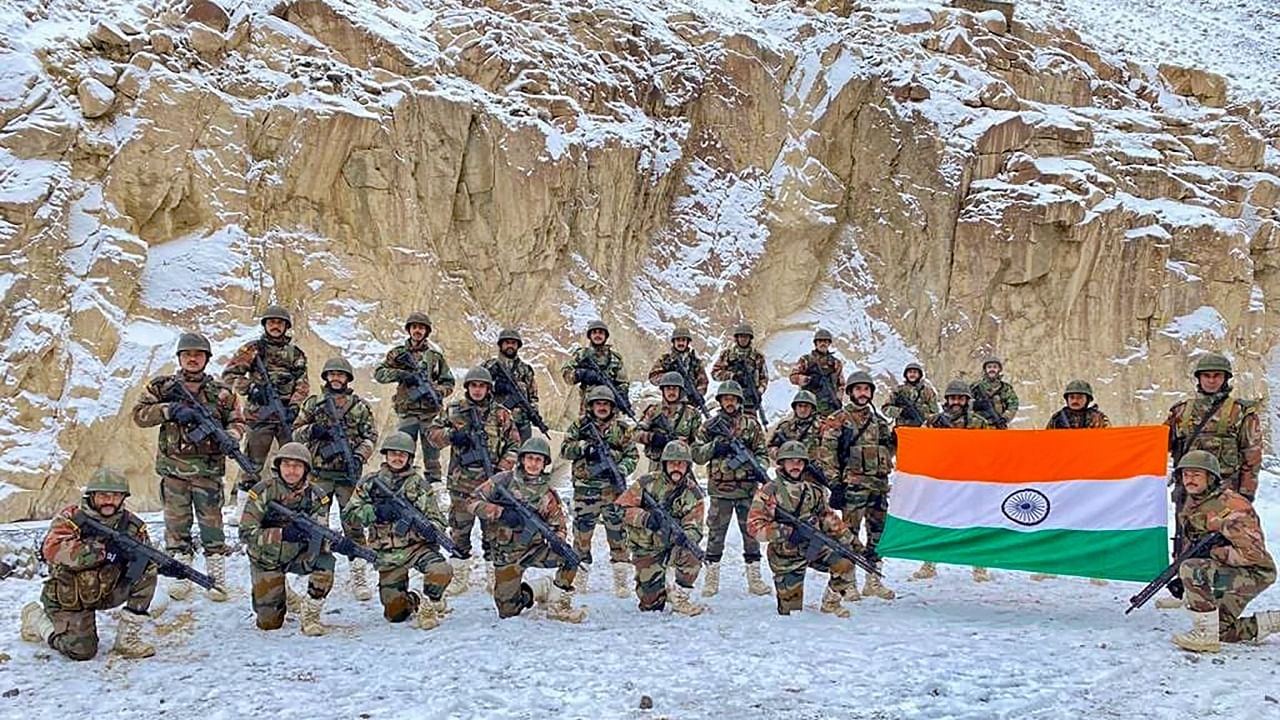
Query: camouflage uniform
x,y
1234,436
793,427
963,419
730,490
398,553
501,440
594,496
825,373
607,359
729,366
414,418
1089,418
681,419
857,454
651,552
523,374
1004,401
287,370
920,394
330,475
687,363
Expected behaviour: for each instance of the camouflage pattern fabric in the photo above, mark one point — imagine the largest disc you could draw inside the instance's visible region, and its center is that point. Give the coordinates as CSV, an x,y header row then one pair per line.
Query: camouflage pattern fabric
x,y
826,364
590,507
268,586
259,530
651,553
863,469
728,367
723,482
719,516
1209,584
959,419
607,359
400,362
1067,419
526,382
594,495
176,455
680,416
921,394
1233,435
356,416
334,487
286,368
801,430
807,501
501,438
686,363
1003,398
196,500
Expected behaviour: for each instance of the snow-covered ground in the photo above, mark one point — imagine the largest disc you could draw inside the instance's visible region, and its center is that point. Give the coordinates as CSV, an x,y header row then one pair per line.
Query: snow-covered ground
x,y
946,648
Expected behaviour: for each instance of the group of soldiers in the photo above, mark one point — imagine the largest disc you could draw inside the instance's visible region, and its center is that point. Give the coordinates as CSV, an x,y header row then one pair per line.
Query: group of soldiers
x,y
824,508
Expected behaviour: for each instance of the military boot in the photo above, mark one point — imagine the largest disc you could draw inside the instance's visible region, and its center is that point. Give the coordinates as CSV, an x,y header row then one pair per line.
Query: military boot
x,y
360,581
1041,577
129,643
583,578
621,583
1268,623
557,603
310,616
681,604
442,607
755,585
711,581
461,576
874,587
181,589
927,571
851,593
831,604
1203,636
489,577
428,616
217,567
1169,603
1098,582
36,625
981,574
292,600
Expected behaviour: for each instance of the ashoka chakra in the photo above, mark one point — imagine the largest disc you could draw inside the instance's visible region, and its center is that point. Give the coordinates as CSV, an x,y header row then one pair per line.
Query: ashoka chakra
x,y
1026,507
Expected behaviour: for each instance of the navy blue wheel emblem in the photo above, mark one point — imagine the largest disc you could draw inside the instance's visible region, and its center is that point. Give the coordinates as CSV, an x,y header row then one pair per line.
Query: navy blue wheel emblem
x,y
1026,507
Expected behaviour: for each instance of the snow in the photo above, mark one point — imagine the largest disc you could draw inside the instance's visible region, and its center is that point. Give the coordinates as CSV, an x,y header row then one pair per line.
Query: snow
x,y
192,272
1204,320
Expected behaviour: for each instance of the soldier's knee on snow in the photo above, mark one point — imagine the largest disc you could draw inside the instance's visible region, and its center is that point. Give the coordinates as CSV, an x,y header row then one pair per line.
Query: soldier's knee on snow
x,y
80,649
271,620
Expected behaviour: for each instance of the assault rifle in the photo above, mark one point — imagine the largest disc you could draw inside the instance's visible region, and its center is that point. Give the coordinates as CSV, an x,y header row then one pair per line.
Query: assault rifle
x,y
739,456
477,450
815,540
421,386
1198,548
1178,448
691,388
586,362
661,424
340,444
316,533
824,386
532,524
670,527
983,406
749,391
522,401
409,517
269,402
207,426
137,555
910,410
603,464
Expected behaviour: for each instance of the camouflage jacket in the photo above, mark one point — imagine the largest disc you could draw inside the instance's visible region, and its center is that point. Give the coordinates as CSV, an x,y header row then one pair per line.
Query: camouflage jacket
x,y
724,482
858,441
80,575
177,456
1226,511
963,420
286,370
1234,436
682,502
1068,419
1003,399
466,468
825,374
807,501
522,373
505,543
383,536
407,359
682,421
729,366
807,431
687,364
265,551
608,360
357,420
618,434
920,395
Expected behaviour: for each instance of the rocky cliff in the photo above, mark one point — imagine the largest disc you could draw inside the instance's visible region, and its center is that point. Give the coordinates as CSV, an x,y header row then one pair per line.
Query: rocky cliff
x,y
934,183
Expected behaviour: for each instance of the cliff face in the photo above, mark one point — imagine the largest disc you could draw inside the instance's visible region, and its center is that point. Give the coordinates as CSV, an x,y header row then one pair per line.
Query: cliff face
x,y
932,184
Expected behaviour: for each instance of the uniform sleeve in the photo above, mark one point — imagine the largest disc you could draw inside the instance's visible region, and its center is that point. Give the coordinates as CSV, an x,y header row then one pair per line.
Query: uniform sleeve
x,y
425,499
703,444
359,509
837,382
555,514
301,386
236,373
232,413
320,512
64,546
1010,399
643,432
800,373
762,374
620,374
720,368
531,388
1250,447
255,508
631,503
628,453
481,503
366,435
928,400
694,520
444,376
1247,548
151,408
755,439
827,454
508,441
658,370
699,370
389,370
761,524
304,420
442,426
571,446
570,368
832,526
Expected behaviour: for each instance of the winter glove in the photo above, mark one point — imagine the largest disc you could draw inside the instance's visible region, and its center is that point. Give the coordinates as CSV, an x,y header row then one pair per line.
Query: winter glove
x,y
587,377
1175,588
510,517
184,414
722,449
112,554
460,439
291,533
838,500
590,452
384,510
258,394
795,535
652,521
321,432
411,379
658,440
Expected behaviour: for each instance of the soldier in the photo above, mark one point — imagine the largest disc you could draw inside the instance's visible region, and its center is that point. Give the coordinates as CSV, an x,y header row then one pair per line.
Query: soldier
x,y
402,551
594,492
316,425
515,551
676,490
418,367
606,360
1222,581
286,366
994,398
955,414
1078,413
277,548
807,501
191,473
683,360
820,372
801,426
857,453
914,401
508,358
85,576
731,488
483,440
674,418
744,365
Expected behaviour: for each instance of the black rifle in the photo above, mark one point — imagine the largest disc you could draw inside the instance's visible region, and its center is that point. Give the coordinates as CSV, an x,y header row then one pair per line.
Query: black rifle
x,y
1060,420
983,406
604,464
824,386
1170,573
423,387
522,401
691,388
207,426
340,444
1178,448
532,524
586,362
812,468
815,540
137,555
409,517
909,409
272,406
740,456
316,533
477,450
671,529
749,391
661,424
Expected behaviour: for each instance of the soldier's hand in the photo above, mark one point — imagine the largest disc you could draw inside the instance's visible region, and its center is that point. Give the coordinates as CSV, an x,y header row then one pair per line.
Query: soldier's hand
x,y
510,517
291,533
658,440
321,432
112,554
793,534
1175,588
583,376
271,535
258,394
460,439
383,510
411,379
838,497
722,449
184,414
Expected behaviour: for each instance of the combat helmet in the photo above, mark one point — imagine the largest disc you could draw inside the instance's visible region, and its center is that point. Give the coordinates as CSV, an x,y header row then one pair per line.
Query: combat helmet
x,y
108,480
804,396
793,450
671,379
681,333
822,334
600,393
958,387
731,388
597,325
417,318
338,364
535,446
744,329
1202,460
193,341
1213,362
677,450
1080,387
276,312
511,334
477,374
860,377
292,451
399,441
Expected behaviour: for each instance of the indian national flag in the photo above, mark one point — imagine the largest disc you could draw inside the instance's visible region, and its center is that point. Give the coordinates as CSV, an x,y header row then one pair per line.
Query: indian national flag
x,y
1068,502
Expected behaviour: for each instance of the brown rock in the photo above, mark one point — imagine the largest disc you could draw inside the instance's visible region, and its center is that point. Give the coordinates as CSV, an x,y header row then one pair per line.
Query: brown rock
x,y
209,14
1208,87
207,43
96,99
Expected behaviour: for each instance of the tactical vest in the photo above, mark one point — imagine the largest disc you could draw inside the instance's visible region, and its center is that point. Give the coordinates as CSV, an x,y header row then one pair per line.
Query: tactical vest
x,y
90,588
1220,436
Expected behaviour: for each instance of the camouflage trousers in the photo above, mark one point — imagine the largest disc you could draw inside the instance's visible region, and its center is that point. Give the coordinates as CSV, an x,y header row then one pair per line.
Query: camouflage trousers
x,y
269,591
75,632
462,518
651,575
507,577
193,500
866,501
334,486
789,565
393,578
1209,584
258,440
590,507
417,429
718,517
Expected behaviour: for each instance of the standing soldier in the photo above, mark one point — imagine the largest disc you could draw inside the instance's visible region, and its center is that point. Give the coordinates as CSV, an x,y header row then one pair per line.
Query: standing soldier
x,y
683,360
914,401
731,487
994,398
1220,582
272,388
801,426
508,359
744,365
820,372
337,425
423,382
85,576
807,501
595,364
277,548
402,548
857,453
673,488
191,472
595,491
672,419
515,549
1079,412
483,440
955,414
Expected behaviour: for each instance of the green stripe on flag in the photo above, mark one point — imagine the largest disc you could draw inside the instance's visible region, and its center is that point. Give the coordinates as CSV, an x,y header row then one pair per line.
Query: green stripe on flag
x,y
1137,555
